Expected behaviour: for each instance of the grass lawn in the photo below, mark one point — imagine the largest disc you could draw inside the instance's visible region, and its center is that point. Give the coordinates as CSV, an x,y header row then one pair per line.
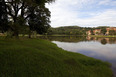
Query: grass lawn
x,y
41,58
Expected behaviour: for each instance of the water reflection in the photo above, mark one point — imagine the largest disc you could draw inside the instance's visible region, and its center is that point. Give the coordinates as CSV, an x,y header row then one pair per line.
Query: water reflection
x,y
92,49
74,39
100,48
103,41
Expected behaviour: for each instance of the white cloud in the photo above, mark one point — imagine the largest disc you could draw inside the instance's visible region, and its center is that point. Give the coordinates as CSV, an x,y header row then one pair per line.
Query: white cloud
x,y
105,18
67,12
104,2
107,2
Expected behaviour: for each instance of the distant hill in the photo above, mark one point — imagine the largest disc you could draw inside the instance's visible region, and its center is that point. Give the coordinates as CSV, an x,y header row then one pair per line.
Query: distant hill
x,y
67,30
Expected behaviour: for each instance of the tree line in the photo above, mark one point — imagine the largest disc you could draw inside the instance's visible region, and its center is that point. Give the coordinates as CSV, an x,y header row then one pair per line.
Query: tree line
x,y
76,30
24,16
67,30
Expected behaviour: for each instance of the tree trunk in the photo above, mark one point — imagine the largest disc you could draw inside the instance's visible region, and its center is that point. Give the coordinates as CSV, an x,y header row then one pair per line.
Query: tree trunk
x,y
29,33
16,34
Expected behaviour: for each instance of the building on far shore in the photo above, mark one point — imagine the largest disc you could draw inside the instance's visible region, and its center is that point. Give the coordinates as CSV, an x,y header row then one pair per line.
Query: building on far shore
x,y
98,31
108,29
88,32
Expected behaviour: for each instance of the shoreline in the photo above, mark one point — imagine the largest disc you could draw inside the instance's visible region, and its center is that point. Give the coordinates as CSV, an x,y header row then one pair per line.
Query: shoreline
x,y
100,36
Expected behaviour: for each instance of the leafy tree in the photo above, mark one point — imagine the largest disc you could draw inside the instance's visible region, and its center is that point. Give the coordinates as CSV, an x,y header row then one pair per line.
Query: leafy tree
x,y
112,32
3,16
103,30
39,20
23,10
92,32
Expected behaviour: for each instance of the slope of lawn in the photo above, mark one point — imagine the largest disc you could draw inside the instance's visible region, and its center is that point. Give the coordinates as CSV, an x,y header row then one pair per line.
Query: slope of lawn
x,y
41,58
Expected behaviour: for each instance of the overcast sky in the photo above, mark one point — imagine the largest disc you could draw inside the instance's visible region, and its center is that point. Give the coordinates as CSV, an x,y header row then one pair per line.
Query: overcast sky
x,y
84,13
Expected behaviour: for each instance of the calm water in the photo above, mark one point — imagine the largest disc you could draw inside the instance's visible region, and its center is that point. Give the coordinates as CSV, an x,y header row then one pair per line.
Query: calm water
x,y
99,48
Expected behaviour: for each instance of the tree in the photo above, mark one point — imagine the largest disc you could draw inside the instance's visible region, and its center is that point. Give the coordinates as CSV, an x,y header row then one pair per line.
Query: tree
x,y
24,9
103,30
3,16
92,33
112,32
39,20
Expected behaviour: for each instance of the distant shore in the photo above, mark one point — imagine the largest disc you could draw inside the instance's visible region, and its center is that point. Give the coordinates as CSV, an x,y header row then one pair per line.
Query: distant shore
x,y
102,35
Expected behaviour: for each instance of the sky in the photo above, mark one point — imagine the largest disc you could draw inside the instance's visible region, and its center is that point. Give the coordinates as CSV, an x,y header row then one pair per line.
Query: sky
x,y
83,13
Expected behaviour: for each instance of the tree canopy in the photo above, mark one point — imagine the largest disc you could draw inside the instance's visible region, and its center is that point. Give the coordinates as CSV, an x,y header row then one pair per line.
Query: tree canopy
x,y
3,17
25,12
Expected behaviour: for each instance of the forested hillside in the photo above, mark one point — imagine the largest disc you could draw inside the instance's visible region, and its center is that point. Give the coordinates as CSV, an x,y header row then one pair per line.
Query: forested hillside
x,y
68,30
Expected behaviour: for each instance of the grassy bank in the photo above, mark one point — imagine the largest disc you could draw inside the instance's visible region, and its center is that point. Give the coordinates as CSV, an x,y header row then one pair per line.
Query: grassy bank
x,y
40,58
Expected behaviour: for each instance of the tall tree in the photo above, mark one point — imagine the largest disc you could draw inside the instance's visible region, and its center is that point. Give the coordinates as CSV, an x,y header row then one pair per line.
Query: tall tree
x,y
39,19
25,9
3,16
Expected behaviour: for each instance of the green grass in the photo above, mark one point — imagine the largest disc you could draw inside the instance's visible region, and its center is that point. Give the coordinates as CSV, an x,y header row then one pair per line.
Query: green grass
x,y
41,58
